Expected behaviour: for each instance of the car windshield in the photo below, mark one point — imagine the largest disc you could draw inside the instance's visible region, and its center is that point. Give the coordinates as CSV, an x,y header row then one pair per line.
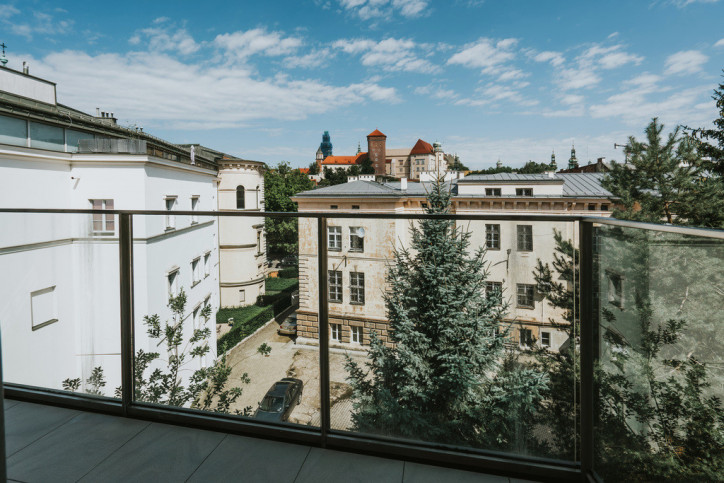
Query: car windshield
x,y
272,404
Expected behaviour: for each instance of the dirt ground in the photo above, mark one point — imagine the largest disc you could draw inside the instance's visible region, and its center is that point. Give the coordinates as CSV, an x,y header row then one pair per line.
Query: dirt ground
x,y
288,359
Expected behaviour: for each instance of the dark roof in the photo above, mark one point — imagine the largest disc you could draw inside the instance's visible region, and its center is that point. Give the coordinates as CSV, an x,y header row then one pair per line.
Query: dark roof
x,y
574,185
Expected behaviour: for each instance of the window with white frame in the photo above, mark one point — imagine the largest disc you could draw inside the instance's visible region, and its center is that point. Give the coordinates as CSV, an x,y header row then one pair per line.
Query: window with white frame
x,y
492,192
494,289
492,237
335,286
102,222
194,207
207,264
195,271
357,288
355,334
526,292
356,239
43,308
170,217
523,191
172,283
335,332
334,238
545,339
525,238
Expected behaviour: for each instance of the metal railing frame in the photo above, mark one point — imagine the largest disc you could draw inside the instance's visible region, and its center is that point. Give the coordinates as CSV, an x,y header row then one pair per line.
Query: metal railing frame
x,y
325,436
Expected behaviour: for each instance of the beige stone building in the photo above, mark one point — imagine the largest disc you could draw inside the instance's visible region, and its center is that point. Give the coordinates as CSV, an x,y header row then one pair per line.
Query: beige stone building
x,y
359,250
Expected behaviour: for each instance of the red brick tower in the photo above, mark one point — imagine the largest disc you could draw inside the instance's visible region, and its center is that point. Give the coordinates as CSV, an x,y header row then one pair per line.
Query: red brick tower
x,y
376,147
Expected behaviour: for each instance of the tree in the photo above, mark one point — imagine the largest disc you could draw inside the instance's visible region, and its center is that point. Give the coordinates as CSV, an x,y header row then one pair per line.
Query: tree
x,y
457,165
663,181
561,411
207,387
711,141
366,166
333,176
313,168
280,184
443,375
531,167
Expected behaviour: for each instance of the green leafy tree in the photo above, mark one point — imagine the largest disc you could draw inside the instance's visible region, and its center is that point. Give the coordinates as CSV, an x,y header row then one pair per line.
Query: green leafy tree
x,y
95,383
443,374
334,176
366,166
457,165
662,181
313,168
531,167
280,184
494,170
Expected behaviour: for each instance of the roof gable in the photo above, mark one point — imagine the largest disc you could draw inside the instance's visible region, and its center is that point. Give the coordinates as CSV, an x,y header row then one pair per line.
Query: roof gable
x,y
421,147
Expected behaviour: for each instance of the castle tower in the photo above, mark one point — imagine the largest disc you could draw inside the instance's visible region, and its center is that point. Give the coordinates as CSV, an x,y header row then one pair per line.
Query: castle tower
x,y
573,162
326,145
377,149
554,166
498,164
319,158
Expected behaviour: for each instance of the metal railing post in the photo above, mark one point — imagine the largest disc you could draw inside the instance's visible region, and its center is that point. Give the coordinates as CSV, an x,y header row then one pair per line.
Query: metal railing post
x,y
323,323
588,349
125,239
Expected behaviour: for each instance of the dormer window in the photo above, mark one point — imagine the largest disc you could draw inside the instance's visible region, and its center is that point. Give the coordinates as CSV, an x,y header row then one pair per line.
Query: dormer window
x,y
492,192
523,191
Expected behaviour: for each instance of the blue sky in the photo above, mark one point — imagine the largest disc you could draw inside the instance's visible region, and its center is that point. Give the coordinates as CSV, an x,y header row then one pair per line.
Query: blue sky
x,y
488,79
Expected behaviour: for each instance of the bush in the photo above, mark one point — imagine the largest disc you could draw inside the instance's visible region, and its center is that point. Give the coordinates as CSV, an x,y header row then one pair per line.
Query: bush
x,y
291,272
280,284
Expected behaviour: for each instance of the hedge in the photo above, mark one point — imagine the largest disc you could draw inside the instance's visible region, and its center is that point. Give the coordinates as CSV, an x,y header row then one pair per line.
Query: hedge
x,y
243,328
280,284
292,272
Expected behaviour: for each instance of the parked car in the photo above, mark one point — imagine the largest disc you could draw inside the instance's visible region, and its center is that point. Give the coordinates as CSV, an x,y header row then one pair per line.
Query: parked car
x,y
290,261
280,400
289,326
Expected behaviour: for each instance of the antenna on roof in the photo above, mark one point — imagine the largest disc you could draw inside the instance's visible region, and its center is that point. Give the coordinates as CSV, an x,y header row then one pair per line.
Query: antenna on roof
x,y
3,59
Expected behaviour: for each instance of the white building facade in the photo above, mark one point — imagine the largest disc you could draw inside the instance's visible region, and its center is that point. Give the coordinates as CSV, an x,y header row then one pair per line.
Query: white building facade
x,y
60,309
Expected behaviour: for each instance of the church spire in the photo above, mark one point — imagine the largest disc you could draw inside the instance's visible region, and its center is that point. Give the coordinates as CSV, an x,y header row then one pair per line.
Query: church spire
x,y
553,160
573,162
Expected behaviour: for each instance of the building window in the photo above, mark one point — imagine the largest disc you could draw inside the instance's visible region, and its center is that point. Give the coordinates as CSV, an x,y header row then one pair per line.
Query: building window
x,y
492,237
355,334
103,222
195,271
43,308
194,207
545,339
523,191
170,218
195,317
334,238
258,242
525,238
207,264
494,289
13,131
45,136
333,207
526,337
242,296
172,279
355,207
604,207
492,192
240,198
357,288
335,286
615,289
591,207
356,239
336,332
525,295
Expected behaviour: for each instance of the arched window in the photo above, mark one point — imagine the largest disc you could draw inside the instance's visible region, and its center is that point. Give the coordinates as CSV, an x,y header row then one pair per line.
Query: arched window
x,y
240,204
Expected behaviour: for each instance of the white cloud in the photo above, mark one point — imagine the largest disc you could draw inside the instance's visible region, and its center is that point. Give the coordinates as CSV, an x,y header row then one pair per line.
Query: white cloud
x,y
720,43
555,58
685,62
584,71
685,3
578,78
160,39
490,56
381,9
41,23
496,93
311,60
391,54
193,96
241,45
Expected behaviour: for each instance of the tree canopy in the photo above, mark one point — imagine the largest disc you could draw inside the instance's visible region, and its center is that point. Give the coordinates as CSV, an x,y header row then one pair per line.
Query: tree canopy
x,y
280,184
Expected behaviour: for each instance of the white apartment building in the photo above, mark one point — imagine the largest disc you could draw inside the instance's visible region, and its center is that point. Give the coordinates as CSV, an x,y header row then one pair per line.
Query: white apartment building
x,y
359,250
59,308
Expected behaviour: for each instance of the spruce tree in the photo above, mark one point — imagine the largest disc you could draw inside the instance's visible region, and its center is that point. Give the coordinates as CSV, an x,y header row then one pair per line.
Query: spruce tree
x,y
663,181
711,141
444,375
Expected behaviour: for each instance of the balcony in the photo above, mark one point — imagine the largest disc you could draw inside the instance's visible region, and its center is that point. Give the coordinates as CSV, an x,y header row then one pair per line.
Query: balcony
x,y
605,323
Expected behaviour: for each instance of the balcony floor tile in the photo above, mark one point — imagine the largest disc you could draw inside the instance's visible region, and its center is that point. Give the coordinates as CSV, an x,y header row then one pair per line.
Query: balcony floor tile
x,y
74,448
417,473
25,423
329,465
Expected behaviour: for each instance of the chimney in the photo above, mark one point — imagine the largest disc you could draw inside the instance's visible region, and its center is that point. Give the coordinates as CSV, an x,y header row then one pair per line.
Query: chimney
x,y
98,112
403,184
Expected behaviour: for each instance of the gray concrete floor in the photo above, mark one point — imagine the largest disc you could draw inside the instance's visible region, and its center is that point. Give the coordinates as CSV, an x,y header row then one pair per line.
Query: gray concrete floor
x,y
47,443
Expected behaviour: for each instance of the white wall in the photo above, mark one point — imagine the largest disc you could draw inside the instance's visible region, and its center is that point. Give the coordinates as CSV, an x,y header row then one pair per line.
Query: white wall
x,y
542,189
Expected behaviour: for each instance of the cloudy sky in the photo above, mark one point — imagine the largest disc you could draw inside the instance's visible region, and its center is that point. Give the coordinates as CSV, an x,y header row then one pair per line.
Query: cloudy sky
x,y
489,79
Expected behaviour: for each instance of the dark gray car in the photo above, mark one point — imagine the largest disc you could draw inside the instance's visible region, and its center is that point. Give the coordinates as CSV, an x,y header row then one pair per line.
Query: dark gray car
x,y
280,400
